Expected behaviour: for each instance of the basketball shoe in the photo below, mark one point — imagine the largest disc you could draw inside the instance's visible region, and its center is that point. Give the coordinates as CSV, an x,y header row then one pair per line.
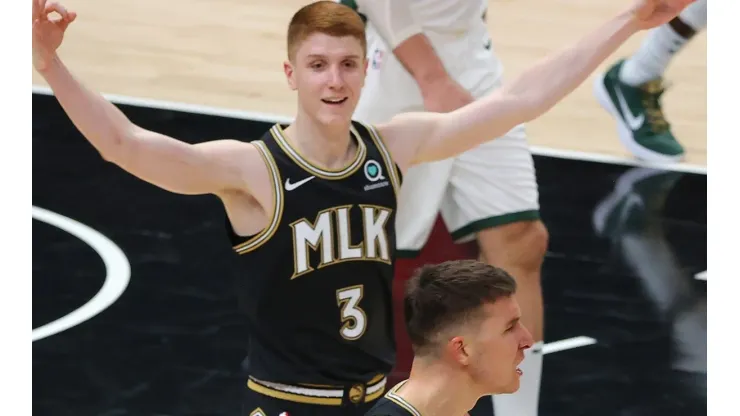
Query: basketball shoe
x,y
641,125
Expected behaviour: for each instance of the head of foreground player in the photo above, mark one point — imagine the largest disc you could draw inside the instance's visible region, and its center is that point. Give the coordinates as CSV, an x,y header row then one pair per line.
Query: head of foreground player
x,y
326,63
464,326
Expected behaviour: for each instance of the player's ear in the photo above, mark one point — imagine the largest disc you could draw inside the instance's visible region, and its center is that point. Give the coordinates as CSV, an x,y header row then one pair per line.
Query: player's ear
x,y
289,74
457,349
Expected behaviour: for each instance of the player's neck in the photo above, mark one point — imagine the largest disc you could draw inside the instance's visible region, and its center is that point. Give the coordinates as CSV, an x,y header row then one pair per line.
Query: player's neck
x,y
327,146
435,390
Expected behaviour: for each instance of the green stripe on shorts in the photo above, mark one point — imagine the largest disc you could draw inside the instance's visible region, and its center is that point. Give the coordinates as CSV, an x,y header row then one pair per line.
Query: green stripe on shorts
x,y
497,221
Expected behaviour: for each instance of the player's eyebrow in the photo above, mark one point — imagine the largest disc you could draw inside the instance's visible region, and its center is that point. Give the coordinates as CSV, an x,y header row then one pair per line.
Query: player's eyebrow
x,y
319,56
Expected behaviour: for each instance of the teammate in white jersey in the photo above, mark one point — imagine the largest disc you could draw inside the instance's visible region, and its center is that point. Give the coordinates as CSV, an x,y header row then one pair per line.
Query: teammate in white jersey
x,y
437,55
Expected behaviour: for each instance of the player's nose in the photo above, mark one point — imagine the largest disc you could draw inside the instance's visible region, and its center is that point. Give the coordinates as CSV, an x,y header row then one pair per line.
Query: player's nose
x,y
335,77
526,340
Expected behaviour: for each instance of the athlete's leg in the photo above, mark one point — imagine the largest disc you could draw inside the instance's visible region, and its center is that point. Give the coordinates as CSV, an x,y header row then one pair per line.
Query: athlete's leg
x,y
519,248
661,45
631,89
493,196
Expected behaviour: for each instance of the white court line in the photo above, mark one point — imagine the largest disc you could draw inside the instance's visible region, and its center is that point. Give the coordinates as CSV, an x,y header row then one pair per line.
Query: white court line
x,y
701,276
117,272
274,118
567,344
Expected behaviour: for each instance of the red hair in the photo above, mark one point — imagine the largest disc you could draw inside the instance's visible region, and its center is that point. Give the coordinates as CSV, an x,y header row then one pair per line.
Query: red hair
x,y
327,17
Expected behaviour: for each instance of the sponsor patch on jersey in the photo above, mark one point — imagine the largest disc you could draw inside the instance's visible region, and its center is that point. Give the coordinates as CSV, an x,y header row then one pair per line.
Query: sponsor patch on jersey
x,y
374,173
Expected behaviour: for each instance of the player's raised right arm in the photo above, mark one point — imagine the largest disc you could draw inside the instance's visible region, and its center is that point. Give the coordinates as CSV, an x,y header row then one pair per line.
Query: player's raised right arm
x,y
213,167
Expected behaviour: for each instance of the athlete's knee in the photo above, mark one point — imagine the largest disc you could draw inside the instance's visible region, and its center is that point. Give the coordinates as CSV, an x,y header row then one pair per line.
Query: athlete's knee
x,y
521,245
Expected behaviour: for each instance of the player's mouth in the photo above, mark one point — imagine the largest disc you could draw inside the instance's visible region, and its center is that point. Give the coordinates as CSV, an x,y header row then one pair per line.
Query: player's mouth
x,y
518,370
334,101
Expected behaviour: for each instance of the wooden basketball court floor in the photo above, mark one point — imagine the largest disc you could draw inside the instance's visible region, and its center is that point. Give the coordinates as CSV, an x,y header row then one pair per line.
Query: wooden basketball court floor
x,y
625,299
228,53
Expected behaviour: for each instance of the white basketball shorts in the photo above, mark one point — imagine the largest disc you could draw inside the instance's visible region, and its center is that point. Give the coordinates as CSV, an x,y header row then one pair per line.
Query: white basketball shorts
x,y
491,185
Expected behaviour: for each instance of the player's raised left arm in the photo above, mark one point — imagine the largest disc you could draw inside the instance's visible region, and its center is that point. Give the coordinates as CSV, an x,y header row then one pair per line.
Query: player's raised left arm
x,y
423,137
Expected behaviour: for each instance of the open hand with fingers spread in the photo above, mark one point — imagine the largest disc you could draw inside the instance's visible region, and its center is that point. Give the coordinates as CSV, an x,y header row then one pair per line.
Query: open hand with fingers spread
x,y
648,14
48,30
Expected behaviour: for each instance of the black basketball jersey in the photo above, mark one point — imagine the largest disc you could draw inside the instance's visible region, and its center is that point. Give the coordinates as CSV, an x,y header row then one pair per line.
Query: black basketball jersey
x,y
316,285
393,405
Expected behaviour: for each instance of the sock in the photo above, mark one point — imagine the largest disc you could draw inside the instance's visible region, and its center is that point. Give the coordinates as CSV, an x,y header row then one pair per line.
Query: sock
x,y
525,402
661,44
653,57
695,15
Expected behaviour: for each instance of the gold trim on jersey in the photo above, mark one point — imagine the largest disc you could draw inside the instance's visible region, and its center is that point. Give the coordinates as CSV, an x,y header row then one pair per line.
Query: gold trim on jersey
x,y
329,386
395,398
312,394
390,166
278,199
279,135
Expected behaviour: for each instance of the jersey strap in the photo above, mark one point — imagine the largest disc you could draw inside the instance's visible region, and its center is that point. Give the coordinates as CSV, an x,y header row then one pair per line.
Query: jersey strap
x,y
390,166
263,236
395,398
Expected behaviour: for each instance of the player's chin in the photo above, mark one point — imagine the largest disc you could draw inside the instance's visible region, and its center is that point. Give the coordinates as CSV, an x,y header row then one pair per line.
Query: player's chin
x,y
514,383
513,387
339,116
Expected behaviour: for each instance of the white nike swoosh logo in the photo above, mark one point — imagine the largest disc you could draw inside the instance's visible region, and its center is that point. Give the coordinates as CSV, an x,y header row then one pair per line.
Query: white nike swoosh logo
x,y
291,186
633,122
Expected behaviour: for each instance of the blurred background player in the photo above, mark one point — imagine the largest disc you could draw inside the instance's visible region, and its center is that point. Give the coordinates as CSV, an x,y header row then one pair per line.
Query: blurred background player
x,y
465,329
632,88
437,55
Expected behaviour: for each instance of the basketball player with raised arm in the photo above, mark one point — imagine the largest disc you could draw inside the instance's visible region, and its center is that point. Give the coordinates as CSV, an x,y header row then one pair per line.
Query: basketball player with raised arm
x,y
311,206
464,324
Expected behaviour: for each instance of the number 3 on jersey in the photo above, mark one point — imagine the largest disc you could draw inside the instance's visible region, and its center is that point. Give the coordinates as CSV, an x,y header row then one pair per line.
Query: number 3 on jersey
x,y
353,317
